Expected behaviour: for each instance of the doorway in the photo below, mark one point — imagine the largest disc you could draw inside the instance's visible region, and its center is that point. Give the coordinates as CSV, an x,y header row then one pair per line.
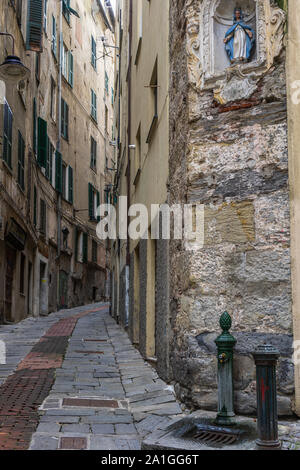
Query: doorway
x,y
9,282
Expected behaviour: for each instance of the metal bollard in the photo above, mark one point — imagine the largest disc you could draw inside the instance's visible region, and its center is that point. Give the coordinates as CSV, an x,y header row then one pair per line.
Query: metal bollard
x,y
265,358
225,344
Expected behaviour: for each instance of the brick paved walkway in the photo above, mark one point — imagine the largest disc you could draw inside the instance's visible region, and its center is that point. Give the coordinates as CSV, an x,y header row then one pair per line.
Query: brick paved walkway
x,y
74,381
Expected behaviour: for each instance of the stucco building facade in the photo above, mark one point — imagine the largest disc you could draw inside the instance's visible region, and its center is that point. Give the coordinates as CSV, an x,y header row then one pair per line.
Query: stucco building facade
x,y
231,147
56,127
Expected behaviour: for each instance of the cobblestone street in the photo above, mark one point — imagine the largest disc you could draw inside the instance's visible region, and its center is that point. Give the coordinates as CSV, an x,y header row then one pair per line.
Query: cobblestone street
x,y
74,381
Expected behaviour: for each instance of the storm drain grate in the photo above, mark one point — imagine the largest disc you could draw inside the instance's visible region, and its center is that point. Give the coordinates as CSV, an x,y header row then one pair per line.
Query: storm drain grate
x,y
96,340
88,402
73,443
210,437
90,352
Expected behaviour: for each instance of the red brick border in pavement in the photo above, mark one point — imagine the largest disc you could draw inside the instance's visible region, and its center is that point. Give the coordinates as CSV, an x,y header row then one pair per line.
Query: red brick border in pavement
x,y
26,389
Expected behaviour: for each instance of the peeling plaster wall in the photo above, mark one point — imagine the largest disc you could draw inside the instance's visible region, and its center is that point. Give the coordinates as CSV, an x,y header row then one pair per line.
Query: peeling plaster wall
x,y
233,158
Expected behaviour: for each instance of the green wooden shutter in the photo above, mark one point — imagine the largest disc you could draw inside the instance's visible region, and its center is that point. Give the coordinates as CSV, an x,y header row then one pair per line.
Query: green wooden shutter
x,y
91,202
85,248
98,204
42,143
35,15
58,171
70,184
71,69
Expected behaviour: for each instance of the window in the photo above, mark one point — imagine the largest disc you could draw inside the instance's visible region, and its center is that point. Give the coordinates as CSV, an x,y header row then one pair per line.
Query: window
x,y
45,15
37,66
65,54
93,154
42,143
19,12
64,180
106,119
112,96
53,99
34,206
54,38
94,53
67,65
81,248
35,19
43,217
106,83
153,103
34,126
137,168
49,166
94,251
93,105
58,171
7,135
94,202
22,273
66,10
21,161
64,120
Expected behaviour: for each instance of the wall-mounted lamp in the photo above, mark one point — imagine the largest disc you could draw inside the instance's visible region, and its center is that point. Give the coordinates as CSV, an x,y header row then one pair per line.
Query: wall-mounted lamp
x,y
12,69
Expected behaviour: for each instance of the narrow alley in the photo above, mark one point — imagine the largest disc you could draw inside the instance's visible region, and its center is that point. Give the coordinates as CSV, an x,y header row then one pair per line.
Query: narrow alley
x,y
74,381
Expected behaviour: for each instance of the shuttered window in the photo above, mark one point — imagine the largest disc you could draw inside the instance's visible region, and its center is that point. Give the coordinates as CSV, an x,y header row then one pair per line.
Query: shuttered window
x,y
34,206
94,53
58,172
84,247
93,105
54,38
21,161
34,126
106,83
64,120
7,135
42,142
43,217
70,180
94,251
93,154
66,10
35,20
45,15
94,202
49,165
71,69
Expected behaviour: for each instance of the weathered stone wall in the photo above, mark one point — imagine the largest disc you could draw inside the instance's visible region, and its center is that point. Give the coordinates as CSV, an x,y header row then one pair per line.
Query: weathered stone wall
x,y
233,159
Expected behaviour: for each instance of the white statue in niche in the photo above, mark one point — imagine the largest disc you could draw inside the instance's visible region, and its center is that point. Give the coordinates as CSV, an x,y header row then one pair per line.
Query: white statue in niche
x,y
239,39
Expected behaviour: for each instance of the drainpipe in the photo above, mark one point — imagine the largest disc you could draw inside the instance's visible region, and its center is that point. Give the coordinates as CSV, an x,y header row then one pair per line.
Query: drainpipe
x,y
58,144
128,166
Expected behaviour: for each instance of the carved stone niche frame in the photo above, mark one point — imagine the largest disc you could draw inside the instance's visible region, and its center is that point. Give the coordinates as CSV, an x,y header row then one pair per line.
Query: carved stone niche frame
x,y
231,82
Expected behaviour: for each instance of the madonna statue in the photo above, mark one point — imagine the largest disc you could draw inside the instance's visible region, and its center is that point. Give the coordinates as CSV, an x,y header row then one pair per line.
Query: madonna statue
x,y
239,39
